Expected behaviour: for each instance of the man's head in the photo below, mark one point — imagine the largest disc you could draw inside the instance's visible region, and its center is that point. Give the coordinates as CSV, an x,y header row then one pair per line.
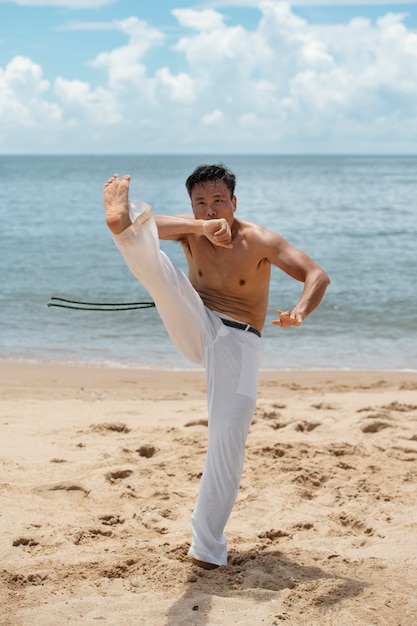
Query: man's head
x,y
209,174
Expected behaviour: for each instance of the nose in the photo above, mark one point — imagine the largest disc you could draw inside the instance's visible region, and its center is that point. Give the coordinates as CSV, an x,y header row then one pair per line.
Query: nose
x,y
211,211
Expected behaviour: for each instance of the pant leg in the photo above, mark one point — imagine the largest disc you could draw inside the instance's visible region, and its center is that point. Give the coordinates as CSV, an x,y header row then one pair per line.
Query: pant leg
x,y
179,305
232,367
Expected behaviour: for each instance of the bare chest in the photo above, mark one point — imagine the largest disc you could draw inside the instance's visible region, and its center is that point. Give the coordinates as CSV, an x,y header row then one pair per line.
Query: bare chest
x,y
234,269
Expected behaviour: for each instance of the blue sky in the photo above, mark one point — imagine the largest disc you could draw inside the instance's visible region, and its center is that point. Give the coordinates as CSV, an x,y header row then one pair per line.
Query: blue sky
x,y
215,76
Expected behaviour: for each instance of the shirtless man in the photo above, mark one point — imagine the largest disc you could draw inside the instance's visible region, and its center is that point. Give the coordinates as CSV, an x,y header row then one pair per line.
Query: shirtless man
x,y
214,317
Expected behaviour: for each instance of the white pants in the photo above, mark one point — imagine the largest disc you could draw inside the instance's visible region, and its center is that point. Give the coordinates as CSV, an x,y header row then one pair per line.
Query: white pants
x,y
231,358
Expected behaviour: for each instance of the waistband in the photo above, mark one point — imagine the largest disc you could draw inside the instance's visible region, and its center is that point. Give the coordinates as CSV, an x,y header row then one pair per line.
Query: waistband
x,y
247,327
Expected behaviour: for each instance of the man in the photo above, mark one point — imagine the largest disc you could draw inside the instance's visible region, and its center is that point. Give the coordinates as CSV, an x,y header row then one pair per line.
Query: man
x,y
214,317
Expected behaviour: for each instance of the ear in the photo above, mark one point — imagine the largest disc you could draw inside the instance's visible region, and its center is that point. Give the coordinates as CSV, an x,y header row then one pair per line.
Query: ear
x,y
234,202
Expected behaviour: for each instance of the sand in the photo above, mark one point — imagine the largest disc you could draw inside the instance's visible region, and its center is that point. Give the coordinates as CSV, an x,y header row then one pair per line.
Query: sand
x,y
99,475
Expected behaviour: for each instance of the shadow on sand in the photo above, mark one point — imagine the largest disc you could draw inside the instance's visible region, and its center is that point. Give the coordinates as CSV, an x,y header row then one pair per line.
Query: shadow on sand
x,y
259,577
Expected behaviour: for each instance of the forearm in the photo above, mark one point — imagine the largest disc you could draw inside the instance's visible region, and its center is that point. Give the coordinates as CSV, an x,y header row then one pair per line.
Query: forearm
x,y
175,227
314,289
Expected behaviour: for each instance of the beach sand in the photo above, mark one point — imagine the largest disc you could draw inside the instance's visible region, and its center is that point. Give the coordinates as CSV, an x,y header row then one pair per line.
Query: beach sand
x,y
99,475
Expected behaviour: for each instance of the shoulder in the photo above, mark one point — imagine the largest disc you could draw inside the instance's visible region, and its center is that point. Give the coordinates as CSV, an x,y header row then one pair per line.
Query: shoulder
x,y
265,244
258,233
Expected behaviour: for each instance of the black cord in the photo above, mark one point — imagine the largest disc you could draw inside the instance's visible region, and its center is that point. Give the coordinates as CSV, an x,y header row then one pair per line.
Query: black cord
x,y
98,306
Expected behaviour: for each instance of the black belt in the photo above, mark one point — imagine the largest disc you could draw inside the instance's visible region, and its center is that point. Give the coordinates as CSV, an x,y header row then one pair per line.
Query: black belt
x,y
247,327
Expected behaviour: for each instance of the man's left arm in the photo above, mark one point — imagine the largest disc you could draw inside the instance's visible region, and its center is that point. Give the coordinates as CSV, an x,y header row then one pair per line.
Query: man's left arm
x,y
301,267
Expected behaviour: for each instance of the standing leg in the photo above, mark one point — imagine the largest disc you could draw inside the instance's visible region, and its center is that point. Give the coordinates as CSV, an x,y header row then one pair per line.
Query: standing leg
x,y
232,367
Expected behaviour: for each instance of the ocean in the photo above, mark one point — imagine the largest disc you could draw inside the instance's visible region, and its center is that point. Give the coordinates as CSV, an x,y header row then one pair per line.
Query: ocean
x,y
355,215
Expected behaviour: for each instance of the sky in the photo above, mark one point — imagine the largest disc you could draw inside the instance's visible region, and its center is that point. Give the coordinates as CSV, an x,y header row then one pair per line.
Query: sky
x,y
208,76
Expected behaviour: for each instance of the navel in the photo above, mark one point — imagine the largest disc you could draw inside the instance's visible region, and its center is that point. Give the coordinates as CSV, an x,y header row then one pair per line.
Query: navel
x,y
200,273
242,282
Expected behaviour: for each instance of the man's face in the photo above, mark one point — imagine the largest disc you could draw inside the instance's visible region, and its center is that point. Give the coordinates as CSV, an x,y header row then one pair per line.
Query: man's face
x,y
212,201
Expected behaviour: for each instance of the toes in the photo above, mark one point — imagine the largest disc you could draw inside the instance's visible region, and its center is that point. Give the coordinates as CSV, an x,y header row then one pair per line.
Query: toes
x,y
113,179
116,179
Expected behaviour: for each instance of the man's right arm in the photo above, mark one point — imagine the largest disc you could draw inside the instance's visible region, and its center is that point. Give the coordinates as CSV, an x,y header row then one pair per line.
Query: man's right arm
x,y
178,227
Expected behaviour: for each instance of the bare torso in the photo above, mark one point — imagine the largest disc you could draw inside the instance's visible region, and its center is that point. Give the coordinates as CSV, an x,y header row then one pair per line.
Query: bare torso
x,y
229,260
233,281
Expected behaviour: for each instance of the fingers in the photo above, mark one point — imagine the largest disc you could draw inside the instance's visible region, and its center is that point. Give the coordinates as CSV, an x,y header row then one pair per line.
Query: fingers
x,y
224,231
223,242
223,235
218,232
287,319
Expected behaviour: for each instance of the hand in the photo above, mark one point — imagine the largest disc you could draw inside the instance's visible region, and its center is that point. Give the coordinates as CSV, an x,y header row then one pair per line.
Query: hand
x,y
288,318
218,231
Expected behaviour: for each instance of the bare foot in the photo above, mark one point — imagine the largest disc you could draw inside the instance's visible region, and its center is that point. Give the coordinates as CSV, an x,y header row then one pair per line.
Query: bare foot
x,y
116,195
204,564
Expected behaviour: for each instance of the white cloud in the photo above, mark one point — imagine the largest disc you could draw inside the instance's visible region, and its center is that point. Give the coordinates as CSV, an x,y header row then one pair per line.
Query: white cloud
x,y
283,83
213,119
213,42
25,76
23,103
178,88
79,100
203,21
124,65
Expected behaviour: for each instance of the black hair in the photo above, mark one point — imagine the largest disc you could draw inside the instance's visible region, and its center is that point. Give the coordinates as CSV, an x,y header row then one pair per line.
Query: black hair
x,y
211,174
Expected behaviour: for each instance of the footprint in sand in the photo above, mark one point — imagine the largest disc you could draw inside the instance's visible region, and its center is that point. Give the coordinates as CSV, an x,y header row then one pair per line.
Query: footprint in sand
x,y
146,451
374,426
306,427
81,536
275,452
21,580
65,487
342,449
197,423
119,570
399,406
111,520
310,478
25,541
273,534
118,475
352,524
156,519
324,406
154,522
114,427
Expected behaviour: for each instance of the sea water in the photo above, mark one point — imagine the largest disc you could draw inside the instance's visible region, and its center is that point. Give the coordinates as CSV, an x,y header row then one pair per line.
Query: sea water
x,y
354,215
